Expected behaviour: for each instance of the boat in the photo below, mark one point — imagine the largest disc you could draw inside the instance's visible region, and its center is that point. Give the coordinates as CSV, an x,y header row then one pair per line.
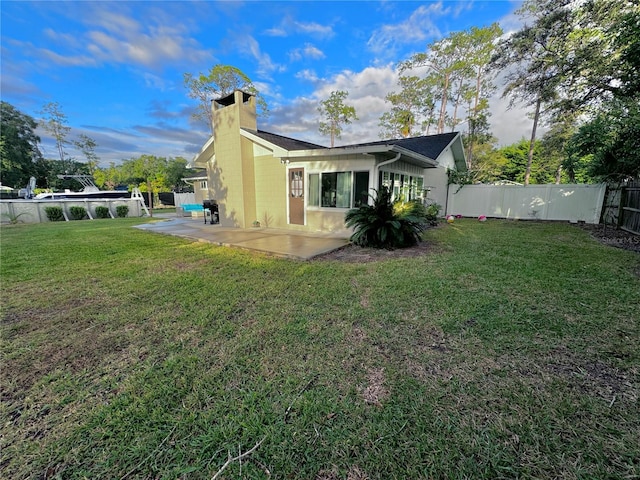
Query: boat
x,y
89,190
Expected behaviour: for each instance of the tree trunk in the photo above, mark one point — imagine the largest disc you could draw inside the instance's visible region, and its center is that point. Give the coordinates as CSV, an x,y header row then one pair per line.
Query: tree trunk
x,y
149,195
443,104
532,143
475,115
333,130
455,106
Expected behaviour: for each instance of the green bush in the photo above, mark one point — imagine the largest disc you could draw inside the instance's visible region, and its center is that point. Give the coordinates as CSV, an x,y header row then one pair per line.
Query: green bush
x,y
432,213
102,212
77,213
386,224
122,211
54,214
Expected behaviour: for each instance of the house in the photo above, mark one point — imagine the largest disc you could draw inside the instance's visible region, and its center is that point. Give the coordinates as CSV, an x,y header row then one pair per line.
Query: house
x,y
198,179
281,182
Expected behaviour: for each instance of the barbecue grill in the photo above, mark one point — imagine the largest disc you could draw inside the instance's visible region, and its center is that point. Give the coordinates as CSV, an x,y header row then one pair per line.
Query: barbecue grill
x,y
214,214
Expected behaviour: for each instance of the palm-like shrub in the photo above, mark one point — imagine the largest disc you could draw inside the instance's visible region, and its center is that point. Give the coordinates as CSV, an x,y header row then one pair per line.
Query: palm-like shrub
x,y
386,224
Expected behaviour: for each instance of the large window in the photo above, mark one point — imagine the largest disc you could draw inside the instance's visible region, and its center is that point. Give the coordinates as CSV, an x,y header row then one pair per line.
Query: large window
x,y
338,189
403,186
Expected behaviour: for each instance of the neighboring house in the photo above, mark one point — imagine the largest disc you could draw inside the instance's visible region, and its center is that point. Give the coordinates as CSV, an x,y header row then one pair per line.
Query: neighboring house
x,y
199,180
282,182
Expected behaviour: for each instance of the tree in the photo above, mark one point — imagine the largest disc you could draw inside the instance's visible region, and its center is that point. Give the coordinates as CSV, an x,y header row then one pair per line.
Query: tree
x,y
219,82
335,113
176,170
612,139
555,147
109,177
481,45
604,55
147,172
55,124
516,161
459,76
87,146
489,163
604,86
536,54
413,103
18,146
441,59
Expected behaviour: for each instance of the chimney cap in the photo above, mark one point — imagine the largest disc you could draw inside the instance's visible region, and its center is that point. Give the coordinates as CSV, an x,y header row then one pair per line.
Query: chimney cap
x,y
230,99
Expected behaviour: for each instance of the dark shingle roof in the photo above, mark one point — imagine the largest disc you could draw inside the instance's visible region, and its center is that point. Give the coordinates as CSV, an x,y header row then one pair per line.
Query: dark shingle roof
x,y
287,143
430,146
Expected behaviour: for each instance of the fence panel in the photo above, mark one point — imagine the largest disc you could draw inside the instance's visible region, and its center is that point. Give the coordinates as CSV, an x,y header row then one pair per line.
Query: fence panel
x,y
571,202
629,217
182,198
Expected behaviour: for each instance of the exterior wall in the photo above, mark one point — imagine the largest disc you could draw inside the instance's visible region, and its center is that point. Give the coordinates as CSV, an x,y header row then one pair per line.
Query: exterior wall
x,y
540,202
33,211
271,192
436,180
326,219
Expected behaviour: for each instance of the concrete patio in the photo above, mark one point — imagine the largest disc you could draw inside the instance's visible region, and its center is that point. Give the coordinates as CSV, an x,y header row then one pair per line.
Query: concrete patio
x,y
282,243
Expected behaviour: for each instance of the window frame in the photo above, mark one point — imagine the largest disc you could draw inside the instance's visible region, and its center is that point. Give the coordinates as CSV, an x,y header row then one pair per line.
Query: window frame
x,y
316,192
403,184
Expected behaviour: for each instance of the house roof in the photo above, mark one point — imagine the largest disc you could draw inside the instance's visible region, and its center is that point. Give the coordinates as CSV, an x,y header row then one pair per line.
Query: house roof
x,y
196,174
430,146
423,151
286,143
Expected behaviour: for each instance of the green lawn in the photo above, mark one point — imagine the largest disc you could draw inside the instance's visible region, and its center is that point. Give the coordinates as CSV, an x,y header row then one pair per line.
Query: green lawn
x,y
509,351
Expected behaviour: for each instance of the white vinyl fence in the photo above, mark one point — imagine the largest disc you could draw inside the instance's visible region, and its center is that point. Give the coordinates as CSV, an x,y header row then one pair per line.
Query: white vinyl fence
x,y
573,203
182,198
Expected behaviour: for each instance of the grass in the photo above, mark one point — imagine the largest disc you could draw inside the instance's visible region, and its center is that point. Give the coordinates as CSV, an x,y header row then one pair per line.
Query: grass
x,y
510,351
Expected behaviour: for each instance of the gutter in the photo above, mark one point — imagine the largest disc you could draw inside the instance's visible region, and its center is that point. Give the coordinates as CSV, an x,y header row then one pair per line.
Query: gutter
x,y
382,164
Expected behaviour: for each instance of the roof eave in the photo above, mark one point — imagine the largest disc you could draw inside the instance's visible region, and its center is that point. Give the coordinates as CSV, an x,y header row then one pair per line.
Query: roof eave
x,y
337,151
206,152
460,160
418,159
277,150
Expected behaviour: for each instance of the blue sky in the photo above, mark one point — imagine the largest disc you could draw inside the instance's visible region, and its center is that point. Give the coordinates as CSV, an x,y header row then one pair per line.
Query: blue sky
x,y
116,68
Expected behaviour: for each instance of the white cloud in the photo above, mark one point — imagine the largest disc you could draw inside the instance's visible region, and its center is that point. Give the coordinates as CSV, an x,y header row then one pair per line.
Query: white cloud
x,y
366,89
307,75
313,28
309,51
114,36
249,46
289,26
150,49
276,32
419,27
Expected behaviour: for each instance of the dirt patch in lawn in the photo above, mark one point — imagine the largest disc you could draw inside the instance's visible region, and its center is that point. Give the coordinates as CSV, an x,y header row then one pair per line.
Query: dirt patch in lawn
x,y
355,254
614,237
